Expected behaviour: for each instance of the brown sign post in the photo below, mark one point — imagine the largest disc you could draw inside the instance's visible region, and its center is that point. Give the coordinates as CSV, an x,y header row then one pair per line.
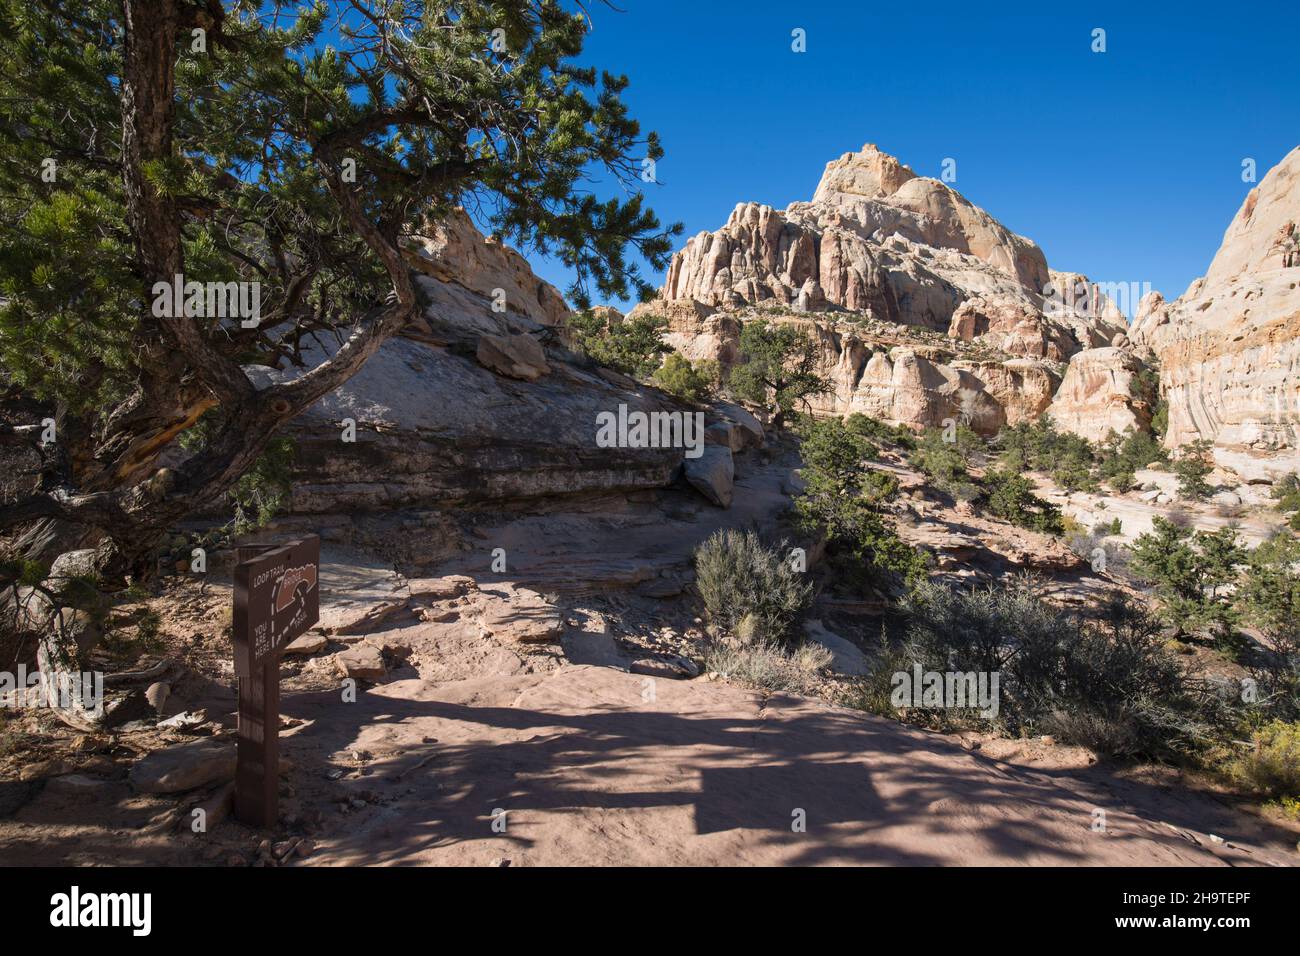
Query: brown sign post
x,y
277,598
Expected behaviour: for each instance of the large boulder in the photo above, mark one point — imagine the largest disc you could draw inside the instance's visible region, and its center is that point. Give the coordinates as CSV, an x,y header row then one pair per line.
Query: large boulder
x,y
712,474
895,250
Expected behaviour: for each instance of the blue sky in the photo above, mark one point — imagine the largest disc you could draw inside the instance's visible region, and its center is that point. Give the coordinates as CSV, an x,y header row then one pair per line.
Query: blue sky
x,y
1124,165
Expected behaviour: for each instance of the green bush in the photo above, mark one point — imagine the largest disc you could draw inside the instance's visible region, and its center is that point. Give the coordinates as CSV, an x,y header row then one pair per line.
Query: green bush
x,y
896,436
843,499
1287,493
778,368
1010,496
1272,766
1192,466
1109,683
741,580
689,382
945,454
1191,572
633,347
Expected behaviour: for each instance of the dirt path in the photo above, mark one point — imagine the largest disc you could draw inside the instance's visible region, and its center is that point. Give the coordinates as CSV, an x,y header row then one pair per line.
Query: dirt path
x,y
589,771
595,765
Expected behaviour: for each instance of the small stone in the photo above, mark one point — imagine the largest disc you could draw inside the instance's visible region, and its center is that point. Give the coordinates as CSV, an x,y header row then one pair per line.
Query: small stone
x,y
361,662
439,615
157,694
185,720
306,645
184,767
74,784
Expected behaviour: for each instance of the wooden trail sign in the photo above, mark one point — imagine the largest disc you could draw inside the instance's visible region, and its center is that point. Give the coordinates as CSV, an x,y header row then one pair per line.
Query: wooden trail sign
x,y
277,598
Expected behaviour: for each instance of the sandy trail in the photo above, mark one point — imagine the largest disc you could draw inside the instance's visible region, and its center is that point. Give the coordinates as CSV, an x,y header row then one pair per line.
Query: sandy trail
x,y
591,772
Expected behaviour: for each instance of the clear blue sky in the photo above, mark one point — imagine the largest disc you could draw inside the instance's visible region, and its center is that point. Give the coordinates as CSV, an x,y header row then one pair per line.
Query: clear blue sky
x,y
1124,165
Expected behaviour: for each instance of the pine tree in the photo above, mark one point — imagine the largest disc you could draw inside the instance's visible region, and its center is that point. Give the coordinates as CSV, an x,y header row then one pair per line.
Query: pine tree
x,y
294,146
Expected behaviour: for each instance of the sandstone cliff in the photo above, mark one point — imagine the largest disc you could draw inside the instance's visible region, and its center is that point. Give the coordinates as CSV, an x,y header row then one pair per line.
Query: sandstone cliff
x,y
1229,348
875,259
471,404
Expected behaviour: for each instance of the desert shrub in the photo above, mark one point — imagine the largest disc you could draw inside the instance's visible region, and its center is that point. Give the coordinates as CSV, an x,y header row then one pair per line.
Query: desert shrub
x,y
1272,766
1122,482
768,664
843,499
633,347
896,436
1190,571
1286,491
1010,496
1113,527
873,692
1039,446
739,579
1108,683
944,455
1074,463
1269,596
1192,466
1270,587
691,382
1120,455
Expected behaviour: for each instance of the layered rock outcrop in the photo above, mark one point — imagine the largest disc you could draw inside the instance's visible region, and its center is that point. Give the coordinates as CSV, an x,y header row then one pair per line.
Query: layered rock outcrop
x,y
452,250
1101,393
471,404
1229,347
879,247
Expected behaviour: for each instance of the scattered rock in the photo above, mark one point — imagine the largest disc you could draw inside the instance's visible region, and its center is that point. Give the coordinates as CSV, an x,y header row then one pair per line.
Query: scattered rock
x,y
367,619
74,784
669,669
846,657
525,617
184,766
361,662
440,589
131,707
306,645
438,615
185,720
218,806
156,694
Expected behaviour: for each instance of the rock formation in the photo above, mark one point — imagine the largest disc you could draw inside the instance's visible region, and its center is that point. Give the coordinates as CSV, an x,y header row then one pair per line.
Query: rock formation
x,y
472,404
1229,348
454,251
1100,394
880,248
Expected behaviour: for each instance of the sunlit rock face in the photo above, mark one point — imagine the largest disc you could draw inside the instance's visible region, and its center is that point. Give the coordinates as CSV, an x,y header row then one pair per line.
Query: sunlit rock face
x,y
1229,348
880,247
